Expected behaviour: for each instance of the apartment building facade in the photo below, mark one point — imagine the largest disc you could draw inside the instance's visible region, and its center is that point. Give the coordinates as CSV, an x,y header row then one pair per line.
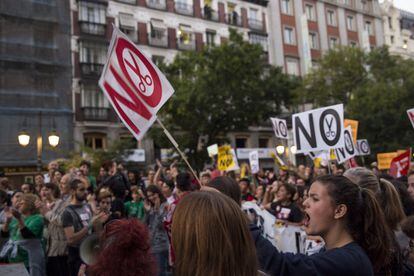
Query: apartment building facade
x,y
302,30
398,29
161,29
35,83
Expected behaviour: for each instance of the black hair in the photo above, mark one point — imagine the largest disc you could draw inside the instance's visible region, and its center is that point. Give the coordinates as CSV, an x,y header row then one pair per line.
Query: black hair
x,y
245,180
3,196
228,186
170,184
183,182
155,190
73,184
365,220
85,162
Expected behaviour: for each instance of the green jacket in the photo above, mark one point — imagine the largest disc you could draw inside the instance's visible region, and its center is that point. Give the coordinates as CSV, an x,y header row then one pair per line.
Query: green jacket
x,y
35,224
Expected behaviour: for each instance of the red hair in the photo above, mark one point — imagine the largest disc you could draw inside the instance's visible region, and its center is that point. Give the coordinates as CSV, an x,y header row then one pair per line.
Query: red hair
x,y
125,250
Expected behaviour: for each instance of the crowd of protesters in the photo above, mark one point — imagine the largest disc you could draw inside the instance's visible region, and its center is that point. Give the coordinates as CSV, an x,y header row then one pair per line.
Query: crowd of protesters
x,y
164,222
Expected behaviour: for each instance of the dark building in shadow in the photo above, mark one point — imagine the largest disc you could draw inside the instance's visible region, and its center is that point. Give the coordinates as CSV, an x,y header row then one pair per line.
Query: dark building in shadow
x,y
35,81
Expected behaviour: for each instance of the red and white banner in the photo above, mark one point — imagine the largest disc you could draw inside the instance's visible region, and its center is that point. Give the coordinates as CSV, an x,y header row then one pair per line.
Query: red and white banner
x,y
134,86
400,164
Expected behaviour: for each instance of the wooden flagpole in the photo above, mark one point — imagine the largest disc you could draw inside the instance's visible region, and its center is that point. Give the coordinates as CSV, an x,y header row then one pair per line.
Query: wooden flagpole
x,y
172,140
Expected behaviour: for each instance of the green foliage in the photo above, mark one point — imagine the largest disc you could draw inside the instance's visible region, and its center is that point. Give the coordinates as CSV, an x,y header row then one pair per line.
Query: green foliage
x,y
376,88
116,151
221,89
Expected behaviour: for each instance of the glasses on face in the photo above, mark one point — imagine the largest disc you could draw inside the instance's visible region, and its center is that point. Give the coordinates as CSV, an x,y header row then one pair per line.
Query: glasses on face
x,y
82,189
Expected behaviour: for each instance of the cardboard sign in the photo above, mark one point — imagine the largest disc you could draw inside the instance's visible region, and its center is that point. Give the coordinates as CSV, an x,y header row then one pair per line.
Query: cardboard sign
x,y
235,165
354,125
400,164
363,147
280,128
410,113
384,160
319,129
254,162
225,158
212,150
349,150
134,86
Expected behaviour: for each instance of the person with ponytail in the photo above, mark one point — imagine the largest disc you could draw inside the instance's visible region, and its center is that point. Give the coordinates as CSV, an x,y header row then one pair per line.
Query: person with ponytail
x,y
384,191
124,250
352,224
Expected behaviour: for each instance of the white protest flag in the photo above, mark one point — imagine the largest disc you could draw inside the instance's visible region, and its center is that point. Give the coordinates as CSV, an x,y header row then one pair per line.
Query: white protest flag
x,y
134,86
319,129
254,161
348,150
280,128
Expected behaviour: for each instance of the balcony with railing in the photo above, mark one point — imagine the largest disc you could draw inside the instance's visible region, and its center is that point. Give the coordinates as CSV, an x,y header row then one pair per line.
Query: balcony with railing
x,y
95,113
210,14
158,41
157,4
184,8
234,19
91,69
255,24
188,45
92,28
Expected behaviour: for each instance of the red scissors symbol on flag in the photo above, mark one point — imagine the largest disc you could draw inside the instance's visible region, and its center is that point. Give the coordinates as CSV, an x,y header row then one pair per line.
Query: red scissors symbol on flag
x,y
144,81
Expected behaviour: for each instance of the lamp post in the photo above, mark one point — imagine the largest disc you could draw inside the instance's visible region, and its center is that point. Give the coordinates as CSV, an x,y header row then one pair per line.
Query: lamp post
x,y
24,140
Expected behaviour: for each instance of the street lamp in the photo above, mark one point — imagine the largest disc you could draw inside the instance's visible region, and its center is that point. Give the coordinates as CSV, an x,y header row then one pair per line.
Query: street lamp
x,y
53,138
24,138
293,149
280,149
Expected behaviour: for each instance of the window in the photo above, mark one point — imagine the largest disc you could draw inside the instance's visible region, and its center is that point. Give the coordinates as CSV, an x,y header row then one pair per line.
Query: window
x,y
350,23
368,27
333,42
158,60
127,25
390,22
289,35
241,142
313,41
263,142
158,29
259,39
92,52
331,17
185,34
93,97
292,66
253,14
347,2
210,38
287,7
366,5
92,12
392,39
95,140
310,12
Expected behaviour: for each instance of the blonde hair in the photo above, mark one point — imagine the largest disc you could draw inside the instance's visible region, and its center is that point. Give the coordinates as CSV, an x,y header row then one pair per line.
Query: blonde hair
x,y
210,237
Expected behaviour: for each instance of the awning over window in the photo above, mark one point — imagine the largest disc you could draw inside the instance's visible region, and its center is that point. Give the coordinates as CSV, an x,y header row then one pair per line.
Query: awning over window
x,y
158,24
127,20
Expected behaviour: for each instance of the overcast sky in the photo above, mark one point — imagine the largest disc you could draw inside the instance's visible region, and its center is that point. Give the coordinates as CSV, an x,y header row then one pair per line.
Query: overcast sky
x,y
404,4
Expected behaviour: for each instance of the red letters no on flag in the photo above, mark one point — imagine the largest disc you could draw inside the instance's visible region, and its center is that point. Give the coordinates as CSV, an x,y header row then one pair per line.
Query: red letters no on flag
x,y
134,86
